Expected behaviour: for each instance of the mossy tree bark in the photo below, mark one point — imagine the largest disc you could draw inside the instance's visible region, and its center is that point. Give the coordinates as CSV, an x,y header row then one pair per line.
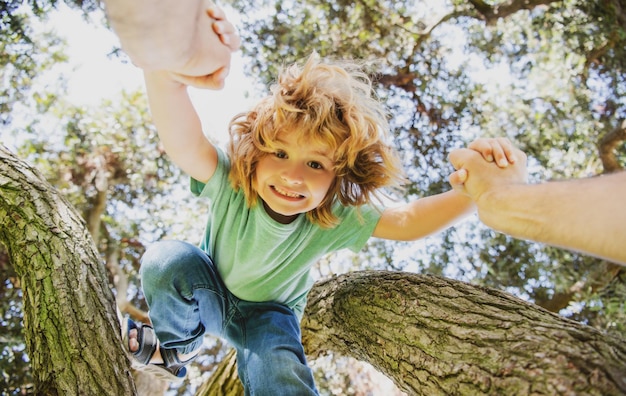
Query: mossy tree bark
x,y
70,323
436,336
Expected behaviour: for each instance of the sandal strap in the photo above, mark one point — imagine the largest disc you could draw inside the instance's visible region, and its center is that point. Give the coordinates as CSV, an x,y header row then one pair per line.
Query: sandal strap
x,y
171,369
147,340
173,364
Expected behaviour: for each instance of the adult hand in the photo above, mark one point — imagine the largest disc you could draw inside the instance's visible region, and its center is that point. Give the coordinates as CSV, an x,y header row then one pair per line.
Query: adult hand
x,y
499,150
191,38
475,176
229,37
224,28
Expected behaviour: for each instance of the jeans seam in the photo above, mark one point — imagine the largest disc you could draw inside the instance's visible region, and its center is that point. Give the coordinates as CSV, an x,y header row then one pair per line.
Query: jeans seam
x,y
221,296
246,352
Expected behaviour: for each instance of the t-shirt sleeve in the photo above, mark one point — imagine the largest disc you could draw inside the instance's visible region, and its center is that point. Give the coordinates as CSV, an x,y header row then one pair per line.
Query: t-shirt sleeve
x,y
217,181
356,227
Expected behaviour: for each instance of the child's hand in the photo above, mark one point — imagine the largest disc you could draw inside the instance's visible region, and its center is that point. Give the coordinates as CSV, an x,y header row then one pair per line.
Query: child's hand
x,y
498,150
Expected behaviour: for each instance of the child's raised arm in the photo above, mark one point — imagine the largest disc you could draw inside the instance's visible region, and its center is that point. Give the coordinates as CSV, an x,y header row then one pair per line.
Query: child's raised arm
x,y
179,126
173,113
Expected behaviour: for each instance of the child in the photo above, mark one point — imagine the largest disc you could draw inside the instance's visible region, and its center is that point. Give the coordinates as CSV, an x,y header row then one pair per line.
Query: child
x,y
303,170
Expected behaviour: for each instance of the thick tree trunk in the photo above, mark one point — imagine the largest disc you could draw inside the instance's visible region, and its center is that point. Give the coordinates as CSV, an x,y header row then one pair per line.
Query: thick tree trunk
x,y
71,327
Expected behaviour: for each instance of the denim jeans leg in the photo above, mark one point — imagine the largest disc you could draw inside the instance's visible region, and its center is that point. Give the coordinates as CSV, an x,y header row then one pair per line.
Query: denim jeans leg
x,y
184,293
270,356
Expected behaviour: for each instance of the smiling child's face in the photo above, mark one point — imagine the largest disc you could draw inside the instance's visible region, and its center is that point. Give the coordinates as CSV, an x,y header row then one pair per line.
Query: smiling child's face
x,y
294,178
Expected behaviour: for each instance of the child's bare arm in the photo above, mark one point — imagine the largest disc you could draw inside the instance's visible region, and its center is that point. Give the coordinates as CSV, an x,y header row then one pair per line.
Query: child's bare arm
x,y
175,117
429,215
423,217
179,126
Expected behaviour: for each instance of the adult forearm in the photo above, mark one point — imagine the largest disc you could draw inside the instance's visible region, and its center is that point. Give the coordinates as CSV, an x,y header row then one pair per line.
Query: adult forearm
x,y
587,215
157,34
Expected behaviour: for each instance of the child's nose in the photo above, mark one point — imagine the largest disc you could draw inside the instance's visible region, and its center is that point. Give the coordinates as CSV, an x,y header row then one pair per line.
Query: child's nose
x,y
292,175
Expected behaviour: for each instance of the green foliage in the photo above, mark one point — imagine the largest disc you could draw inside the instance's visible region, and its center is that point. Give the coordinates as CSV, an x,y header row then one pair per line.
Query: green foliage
x,y
25,54
21,59
562,98
112,148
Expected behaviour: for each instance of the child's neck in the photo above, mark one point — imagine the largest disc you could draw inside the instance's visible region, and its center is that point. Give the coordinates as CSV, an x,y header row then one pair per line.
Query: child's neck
x,y
280,218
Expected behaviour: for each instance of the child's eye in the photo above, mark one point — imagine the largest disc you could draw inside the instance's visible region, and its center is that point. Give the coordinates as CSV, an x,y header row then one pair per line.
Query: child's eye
x,y
280,154
316,165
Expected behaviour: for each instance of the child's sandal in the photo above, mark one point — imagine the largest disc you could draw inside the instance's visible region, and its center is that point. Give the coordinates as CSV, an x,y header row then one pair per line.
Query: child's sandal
x,y
171,370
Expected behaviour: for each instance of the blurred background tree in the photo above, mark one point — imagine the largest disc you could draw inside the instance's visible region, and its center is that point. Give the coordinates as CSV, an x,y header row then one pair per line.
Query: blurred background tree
x,y
549,75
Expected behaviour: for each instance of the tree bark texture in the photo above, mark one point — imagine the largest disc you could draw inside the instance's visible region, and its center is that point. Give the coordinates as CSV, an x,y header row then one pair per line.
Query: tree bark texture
x,y
70,324
607,146
436,336
490,12
225,381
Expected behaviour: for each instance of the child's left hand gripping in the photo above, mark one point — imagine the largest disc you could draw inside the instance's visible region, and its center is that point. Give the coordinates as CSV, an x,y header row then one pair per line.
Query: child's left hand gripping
x,y
498,150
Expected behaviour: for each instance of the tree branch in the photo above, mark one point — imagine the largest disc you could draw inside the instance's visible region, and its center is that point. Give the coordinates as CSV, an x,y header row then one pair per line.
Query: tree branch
x,y
436,336
491,13
607,146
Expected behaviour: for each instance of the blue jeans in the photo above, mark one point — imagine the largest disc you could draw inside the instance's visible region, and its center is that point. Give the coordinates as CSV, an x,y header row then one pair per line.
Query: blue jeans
x,y
187,298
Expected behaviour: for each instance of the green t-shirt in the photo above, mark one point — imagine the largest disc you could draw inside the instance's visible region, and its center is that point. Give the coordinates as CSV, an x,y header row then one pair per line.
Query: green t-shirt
x,y
260,259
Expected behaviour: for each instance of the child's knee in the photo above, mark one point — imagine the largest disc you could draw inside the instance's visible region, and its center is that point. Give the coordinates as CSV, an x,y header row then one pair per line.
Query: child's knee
x,y
164,258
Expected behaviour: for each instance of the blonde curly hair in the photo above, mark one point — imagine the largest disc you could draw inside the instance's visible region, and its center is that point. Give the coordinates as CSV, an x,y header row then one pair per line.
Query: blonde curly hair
x,y
329,103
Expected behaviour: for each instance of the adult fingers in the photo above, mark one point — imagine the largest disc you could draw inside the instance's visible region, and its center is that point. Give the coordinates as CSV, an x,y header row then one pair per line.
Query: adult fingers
x,y
498,150
216,12
227,34
213,81
484,147
502,152
224,28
